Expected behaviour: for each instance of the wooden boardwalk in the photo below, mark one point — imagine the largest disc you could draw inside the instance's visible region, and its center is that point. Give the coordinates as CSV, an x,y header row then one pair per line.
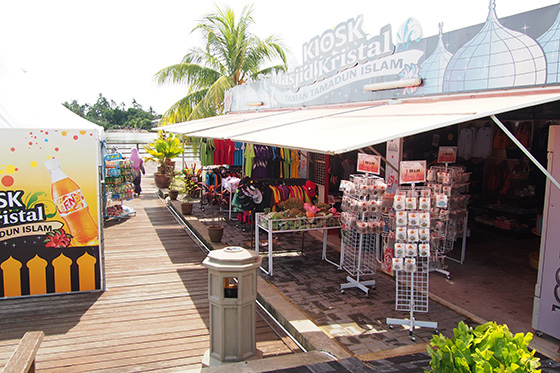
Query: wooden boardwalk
x,y
153,316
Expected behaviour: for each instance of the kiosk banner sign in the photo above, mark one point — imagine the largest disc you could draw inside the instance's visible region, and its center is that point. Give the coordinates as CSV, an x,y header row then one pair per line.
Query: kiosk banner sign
x,y
49,212
413,172
447,154
368,163
338,62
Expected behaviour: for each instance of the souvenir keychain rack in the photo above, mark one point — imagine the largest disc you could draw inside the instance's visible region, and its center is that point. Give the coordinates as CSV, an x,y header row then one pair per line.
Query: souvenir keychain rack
x,y
362,225
411,222
449,222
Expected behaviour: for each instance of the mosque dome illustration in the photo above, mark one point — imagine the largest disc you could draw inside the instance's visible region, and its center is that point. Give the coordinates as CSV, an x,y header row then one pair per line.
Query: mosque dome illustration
x,y
550,43
496,57
433,67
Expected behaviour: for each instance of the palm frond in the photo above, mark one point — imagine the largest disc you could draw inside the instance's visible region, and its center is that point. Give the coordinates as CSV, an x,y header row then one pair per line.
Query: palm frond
x,y
214,98
187,73
181,110
231,56
268,71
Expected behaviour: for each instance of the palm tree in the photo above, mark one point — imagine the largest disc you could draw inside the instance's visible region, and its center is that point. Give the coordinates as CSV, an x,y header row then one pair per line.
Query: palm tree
x,y
232,56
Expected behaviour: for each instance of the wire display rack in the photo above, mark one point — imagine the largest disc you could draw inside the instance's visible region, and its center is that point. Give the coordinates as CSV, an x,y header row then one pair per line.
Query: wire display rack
x,y
411,223
360,254
412,293
362,226
358,258
449,218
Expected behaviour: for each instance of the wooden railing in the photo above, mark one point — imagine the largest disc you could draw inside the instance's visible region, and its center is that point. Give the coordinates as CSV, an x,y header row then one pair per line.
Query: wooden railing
x,y
23,358
124,149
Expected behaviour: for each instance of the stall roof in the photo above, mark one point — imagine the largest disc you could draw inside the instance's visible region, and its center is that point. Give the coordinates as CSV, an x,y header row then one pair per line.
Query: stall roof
x,y
339,129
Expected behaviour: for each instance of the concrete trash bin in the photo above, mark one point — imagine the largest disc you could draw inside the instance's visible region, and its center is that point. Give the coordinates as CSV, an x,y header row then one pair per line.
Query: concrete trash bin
x,y
232,293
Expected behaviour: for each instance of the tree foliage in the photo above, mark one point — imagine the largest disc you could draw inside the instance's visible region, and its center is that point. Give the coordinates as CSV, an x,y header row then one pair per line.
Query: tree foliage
x,y
231,56
108,114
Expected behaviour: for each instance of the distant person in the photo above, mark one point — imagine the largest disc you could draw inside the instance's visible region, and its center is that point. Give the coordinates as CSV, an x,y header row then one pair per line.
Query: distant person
x,y
137,170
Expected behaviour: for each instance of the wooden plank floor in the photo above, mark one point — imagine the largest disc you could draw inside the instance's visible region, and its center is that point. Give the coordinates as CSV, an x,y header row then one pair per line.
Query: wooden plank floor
x,y
153,316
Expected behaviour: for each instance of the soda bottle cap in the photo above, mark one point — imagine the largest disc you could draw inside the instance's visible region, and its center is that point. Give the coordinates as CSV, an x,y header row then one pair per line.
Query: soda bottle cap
x,y
52,164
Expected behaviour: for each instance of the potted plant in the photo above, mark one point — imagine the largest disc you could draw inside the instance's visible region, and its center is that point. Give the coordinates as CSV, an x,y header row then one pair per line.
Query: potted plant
x,y
191,189
215,229
166,147
175,187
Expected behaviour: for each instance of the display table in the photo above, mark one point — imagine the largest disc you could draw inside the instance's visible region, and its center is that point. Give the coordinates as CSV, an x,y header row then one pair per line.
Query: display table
x,y
272,226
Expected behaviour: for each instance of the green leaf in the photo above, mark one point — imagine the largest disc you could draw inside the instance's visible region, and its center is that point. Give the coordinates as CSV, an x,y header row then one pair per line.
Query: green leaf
x,y
487,348
232,56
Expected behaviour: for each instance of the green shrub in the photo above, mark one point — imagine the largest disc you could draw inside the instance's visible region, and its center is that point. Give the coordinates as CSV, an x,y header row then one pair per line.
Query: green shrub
x,y
487,348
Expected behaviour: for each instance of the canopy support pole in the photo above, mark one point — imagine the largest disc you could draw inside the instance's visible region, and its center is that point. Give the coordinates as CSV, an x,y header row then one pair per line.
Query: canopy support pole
x,y
383,158
525,151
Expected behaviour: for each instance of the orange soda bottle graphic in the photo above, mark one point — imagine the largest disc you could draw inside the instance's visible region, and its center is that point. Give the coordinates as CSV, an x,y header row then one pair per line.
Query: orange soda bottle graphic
x,y
72,206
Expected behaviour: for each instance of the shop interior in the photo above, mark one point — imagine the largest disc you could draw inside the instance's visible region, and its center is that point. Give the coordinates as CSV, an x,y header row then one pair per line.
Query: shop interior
x,y
497,278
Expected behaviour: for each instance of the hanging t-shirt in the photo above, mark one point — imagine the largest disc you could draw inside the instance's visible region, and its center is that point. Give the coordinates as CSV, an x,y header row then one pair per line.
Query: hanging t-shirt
x,y
303,164
274,163
249,158
229,152
465,145
286,167
262,155
207,152
483,143
219,152
203,146
295,164
238,154
210,151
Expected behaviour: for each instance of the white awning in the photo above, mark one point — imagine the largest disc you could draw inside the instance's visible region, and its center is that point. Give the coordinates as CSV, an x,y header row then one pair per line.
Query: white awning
x,y
339,129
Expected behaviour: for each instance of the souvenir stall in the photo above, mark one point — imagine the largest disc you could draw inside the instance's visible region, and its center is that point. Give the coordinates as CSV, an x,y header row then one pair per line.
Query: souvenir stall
x,y
117,186
50,197
274,172
375,88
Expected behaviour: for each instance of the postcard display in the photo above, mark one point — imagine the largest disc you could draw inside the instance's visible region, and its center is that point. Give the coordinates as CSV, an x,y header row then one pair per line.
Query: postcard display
x,y
118,186
424,225
449,221
410,236
363,222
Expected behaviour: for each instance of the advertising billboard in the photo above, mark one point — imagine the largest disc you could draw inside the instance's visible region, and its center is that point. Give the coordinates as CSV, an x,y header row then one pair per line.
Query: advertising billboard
x,y
49,212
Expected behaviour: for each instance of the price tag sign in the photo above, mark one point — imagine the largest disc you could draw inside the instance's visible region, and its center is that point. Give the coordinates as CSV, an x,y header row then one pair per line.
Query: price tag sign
x,y
368,163
447,154
412,172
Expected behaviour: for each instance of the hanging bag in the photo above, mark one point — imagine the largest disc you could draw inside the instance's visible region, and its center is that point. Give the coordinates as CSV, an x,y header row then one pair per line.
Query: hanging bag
x,y
523,133
501,141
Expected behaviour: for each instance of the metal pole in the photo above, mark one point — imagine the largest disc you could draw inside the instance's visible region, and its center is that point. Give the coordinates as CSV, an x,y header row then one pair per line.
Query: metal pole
x,y
525,151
